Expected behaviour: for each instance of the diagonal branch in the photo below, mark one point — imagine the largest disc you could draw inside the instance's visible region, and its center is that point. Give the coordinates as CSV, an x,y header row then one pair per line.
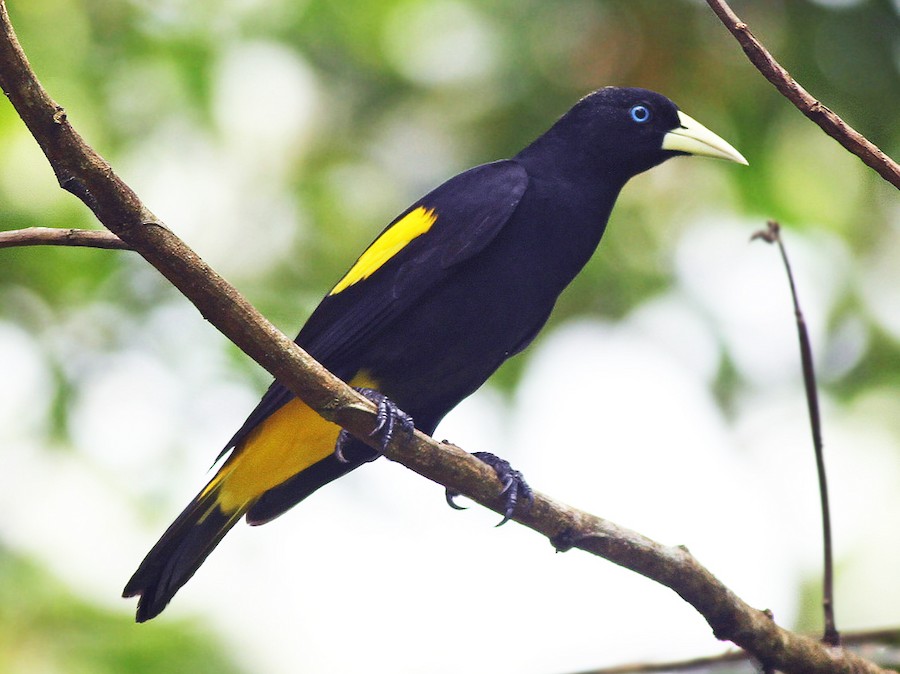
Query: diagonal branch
x,y
828,121
51,236
84,173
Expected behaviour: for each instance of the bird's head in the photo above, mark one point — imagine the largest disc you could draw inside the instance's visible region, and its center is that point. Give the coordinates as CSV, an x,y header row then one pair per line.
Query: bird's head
x,y
625,131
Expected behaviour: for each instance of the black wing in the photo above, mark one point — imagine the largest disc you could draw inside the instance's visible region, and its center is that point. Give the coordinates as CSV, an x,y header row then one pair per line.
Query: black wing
x,y
469,209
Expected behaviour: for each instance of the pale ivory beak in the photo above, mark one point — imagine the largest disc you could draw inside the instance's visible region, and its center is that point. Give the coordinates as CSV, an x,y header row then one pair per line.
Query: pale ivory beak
x,y
694,138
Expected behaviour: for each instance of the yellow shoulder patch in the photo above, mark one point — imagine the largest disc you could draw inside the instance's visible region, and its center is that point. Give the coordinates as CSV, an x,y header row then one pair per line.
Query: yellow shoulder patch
x,y
392,241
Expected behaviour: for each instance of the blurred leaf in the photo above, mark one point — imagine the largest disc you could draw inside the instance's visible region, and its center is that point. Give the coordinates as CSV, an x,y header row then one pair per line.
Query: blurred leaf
x,y
43,627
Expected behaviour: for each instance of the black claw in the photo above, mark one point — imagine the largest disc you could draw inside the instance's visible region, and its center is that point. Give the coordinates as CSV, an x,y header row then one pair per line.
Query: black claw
x,y
449,494
515,488
387,417
514,485
343,438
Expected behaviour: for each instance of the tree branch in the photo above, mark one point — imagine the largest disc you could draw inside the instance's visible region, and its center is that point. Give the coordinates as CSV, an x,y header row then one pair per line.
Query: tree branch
x,y
51,236
882,642
828,121
84,173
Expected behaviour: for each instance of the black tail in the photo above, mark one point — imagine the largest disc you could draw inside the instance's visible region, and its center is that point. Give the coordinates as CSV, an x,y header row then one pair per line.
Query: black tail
x,y
197,531
178,554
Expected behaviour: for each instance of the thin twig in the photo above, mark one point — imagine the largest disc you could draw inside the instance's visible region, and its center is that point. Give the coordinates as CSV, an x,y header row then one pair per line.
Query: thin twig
x,y
882,642
729,658
828,121
831,636
50,236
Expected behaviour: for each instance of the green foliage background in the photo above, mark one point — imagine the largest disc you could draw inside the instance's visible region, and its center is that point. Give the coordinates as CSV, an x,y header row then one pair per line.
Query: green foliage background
x,y
406,93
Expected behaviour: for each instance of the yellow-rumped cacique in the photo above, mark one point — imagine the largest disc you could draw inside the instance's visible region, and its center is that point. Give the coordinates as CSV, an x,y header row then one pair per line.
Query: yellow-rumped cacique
x,y
460,281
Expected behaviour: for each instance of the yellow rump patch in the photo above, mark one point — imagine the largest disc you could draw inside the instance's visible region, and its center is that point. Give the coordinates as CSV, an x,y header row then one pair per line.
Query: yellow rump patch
x,y
392,241
288,442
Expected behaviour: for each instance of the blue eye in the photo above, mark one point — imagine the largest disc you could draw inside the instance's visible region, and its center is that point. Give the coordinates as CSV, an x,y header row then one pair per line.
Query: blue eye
x,y
640,114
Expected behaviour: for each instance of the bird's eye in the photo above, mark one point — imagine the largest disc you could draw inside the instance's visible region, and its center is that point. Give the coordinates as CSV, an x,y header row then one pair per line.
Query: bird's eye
x,y
640,114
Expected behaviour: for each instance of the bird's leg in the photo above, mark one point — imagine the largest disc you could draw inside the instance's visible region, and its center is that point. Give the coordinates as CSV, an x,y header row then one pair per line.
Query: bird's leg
x,y
388,417
514,485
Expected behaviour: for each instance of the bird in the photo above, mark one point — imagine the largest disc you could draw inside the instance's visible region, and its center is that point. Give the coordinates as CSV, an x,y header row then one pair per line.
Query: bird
x,y
459,282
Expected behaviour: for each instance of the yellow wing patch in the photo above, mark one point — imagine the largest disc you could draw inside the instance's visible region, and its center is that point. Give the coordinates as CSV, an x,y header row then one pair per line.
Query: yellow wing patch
x,y
413,224
289,441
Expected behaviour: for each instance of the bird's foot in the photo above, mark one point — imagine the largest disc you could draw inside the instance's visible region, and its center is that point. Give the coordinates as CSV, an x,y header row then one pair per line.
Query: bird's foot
x,y
388,418
515,488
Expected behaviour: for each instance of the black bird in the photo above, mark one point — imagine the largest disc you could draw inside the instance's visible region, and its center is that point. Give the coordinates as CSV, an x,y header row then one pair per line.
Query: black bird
x,y
456,284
